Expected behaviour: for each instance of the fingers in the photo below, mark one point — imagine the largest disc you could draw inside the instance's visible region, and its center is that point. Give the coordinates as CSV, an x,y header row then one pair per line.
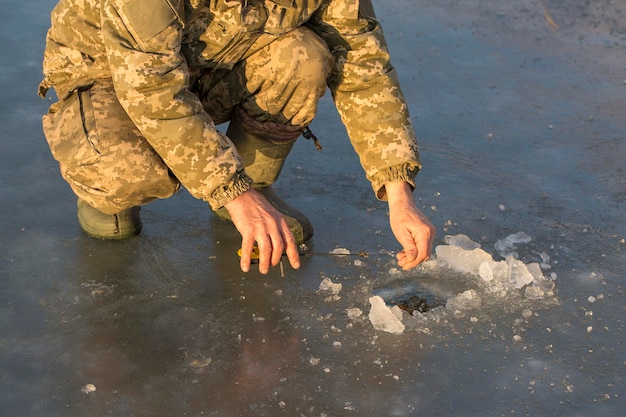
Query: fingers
x,y
425,245
407,259
417,244
292,250
265,255
410,258
271,246
247,245
258,221
279,244
410,226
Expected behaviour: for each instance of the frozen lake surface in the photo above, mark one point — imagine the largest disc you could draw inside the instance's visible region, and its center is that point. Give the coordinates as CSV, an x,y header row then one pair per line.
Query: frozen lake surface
x,y
519,108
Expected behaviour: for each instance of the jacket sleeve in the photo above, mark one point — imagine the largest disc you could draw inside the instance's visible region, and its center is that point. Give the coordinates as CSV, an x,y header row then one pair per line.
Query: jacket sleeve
x,y
151,78
367,94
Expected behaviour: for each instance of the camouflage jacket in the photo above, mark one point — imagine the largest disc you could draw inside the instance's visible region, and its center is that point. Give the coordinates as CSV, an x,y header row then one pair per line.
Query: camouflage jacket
x,y
151,49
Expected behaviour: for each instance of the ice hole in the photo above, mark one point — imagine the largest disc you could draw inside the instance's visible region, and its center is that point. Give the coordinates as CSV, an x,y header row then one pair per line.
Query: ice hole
x,y
412,297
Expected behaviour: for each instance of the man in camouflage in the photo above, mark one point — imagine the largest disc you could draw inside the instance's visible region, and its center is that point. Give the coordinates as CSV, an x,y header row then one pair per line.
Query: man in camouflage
x,y
143,83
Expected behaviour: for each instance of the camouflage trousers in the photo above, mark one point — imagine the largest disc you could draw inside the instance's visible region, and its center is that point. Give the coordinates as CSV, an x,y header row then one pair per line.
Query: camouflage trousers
x,y
108,163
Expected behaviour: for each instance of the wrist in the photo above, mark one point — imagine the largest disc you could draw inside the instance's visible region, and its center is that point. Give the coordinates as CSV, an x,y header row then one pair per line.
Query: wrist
x,y
242,199
398,192
223,195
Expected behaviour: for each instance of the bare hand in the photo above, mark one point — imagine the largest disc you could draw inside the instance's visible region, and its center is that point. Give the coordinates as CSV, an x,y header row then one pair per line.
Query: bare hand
x,y
258,221
409,225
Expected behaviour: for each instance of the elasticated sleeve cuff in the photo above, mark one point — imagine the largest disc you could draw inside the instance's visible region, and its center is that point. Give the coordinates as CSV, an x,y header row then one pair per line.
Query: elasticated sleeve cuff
x,y
405,172
227,193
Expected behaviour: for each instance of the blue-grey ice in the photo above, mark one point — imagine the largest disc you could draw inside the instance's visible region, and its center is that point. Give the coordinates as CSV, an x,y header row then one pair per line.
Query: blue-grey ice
x,y
521,128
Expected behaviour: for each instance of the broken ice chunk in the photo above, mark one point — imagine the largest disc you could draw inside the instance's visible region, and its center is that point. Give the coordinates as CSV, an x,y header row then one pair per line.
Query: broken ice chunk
x,y
383,318
467,300
519,275
545,261
88,388
340,251
539,280
462,241
506,247
494,270
485,271
534,293
397,311
354,313
535,270
330,287
500,270
461,259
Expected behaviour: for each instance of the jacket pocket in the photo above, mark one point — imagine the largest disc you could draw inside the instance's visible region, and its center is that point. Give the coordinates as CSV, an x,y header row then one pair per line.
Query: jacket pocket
x,y
283,18
147,18
221,38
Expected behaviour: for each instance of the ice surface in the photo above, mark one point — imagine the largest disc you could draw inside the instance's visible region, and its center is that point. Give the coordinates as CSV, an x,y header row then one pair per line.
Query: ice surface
x,y
384,318
77,311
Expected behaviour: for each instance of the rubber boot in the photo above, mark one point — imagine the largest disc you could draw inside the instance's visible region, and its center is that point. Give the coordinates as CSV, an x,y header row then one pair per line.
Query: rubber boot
x,y
263,161
100,225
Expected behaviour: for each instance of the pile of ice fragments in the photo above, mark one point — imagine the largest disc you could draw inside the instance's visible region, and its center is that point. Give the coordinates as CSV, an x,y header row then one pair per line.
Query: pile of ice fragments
x,y
496,277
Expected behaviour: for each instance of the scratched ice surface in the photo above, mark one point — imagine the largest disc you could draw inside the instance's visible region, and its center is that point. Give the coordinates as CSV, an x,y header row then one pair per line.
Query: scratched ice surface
x,y
519,110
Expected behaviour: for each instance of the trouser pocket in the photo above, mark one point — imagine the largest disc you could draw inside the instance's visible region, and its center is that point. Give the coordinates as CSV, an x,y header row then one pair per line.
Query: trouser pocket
x,y
67,127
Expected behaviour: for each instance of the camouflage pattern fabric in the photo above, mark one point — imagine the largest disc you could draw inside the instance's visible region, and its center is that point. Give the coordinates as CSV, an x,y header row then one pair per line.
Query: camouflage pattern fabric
x,y
279,84
102,155
169,70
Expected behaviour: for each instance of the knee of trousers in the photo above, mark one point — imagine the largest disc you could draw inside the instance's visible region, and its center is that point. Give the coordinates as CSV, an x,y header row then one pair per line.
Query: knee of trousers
x,y
311,60
126,189
288,78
